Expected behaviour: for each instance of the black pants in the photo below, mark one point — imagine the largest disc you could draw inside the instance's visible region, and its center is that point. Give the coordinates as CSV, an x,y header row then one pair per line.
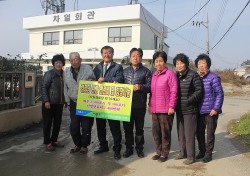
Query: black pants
x,y
137,118
209,122
52,115
78,124
186,128
115,129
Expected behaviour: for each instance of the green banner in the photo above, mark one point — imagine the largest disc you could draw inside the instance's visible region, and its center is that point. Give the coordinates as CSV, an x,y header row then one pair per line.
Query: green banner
x,y
105,100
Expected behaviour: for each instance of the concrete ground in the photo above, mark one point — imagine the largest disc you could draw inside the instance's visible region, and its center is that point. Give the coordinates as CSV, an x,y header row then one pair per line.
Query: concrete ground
x,y
23,154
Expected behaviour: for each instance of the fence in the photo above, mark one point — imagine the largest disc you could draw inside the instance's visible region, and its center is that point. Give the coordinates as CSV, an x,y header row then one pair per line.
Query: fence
x,y
11,88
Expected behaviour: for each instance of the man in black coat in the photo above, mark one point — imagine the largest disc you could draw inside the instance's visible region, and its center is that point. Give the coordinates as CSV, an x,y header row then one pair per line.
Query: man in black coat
x,y
108,71
140,77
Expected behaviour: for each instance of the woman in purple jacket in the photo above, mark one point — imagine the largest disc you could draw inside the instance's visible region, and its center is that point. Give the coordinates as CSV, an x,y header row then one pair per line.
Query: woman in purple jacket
x,y
162,105
210,107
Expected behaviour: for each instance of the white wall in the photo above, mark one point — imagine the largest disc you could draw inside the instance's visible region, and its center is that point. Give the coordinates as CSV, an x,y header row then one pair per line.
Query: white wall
x,y
94,36
147,36
117,13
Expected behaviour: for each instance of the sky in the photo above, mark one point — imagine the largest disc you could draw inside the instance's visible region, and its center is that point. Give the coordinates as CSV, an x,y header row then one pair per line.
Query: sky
x,y
233,49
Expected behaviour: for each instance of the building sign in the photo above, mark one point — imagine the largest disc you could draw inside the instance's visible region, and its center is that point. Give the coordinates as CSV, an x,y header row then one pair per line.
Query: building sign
x,y
70,17
106,100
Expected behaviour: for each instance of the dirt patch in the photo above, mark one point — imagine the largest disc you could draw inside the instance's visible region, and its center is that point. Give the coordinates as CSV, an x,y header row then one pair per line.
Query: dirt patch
x,y
232,90
196,169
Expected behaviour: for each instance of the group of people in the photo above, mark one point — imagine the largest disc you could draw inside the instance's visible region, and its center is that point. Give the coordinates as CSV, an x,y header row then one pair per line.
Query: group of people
x,y
195,97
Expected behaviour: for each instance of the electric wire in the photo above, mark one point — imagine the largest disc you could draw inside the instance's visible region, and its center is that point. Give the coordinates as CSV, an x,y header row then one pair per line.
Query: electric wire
x,y
190,18
218,21
187,40
230,26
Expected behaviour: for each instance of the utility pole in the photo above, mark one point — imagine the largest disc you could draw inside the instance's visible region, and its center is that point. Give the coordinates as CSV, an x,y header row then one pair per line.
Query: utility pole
x,y
161,39
133,2
206,25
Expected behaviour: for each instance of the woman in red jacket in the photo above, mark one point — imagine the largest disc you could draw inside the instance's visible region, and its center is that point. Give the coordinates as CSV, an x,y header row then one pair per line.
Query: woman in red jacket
x,y
162,105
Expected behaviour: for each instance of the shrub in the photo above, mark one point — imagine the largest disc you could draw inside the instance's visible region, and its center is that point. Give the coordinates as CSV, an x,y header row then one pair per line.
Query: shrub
x,y
228,76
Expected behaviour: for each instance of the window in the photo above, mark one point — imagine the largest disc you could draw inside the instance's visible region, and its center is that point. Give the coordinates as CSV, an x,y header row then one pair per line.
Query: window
x,y
120,34
51,38
73,37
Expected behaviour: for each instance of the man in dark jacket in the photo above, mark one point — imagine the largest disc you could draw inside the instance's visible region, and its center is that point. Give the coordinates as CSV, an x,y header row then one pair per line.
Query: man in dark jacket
x,y
140,77
210,107
108,71
190,92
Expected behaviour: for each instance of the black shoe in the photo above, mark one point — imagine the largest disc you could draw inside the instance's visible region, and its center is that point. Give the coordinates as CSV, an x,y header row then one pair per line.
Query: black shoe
x,y
207,159
200,155
117,155
128,153
101,150
155,157
140,153
162,159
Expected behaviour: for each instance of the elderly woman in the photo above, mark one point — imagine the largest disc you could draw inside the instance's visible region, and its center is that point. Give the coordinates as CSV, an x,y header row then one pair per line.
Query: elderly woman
x,y
190,92
162,105
210,107
53,101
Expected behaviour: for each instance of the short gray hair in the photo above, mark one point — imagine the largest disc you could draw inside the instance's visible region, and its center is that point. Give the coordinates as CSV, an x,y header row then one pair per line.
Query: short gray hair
x,y
75,53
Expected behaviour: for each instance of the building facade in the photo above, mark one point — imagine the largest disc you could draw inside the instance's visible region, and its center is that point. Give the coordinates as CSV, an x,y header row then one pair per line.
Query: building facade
x,y
87,31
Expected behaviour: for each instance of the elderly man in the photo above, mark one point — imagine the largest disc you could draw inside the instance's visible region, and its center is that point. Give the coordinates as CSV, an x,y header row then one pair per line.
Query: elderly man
x,y
108,71
140,77
72,76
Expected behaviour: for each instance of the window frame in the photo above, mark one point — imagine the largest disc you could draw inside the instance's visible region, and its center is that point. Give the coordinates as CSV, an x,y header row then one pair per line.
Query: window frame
x,y
120,37
74,40
51,41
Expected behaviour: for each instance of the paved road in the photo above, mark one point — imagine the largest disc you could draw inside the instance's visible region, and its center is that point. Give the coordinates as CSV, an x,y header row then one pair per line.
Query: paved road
x,y
23,154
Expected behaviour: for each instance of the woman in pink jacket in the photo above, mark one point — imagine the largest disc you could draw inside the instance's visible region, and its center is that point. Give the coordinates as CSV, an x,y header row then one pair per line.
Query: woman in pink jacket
x,y
162,105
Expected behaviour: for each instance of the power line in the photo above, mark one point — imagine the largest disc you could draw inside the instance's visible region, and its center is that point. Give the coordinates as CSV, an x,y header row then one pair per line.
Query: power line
x,y
187,40
231,26
169,29
220,16
190,18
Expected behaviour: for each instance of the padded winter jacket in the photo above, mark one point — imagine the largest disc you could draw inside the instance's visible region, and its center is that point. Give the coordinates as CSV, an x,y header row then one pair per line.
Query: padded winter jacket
x,y
164,88
142,76
190,92
52,87
213,96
